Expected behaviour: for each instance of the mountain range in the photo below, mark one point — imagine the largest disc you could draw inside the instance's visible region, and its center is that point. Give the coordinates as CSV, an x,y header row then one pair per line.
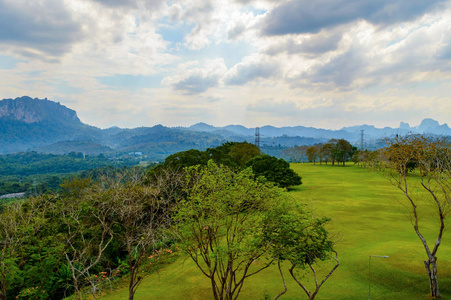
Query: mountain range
x,y
46,126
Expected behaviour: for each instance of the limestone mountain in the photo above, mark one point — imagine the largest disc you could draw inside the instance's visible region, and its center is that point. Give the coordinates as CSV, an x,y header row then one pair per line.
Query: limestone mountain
x,y
30,111
26,123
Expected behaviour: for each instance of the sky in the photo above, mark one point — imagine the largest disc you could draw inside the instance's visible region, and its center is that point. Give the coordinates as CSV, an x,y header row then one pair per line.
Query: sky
x,y
319,63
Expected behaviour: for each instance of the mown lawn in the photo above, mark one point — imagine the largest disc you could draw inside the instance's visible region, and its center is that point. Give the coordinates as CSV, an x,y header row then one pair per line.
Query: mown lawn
x,y
368,219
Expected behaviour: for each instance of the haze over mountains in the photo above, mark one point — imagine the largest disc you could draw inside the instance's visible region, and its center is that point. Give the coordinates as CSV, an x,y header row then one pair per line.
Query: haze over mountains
x,y
42,125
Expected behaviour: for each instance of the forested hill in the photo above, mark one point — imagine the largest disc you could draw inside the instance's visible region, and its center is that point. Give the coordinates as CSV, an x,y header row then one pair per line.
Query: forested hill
x,y
46,126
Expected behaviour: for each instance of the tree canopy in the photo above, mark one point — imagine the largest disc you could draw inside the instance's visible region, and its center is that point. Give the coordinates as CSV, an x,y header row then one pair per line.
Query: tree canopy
x,y
274,170
220,225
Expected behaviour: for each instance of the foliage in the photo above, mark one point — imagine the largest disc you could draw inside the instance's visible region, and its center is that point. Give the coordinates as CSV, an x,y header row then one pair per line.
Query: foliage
x,y
274,170
220,225
231,154
188,158
296,237
312,153
36,174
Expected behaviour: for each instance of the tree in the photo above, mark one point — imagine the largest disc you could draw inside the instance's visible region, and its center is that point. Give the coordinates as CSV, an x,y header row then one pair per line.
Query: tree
x,y
343,151
295,154
19,221
312,154
296,237
188,158
274,170
241,153
220,225
430,184
87,230
326,152
140,215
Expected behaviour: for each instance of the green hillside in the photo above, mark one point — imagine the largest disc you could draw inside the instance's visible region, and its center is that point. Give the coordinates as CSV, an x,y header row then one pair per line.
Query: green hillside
x,y
368,219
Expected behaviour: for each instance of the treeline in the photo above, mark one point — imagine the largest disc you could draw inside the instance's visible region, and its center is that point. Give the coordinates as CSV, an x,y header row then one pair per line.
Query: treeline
x,y
120,223
334,151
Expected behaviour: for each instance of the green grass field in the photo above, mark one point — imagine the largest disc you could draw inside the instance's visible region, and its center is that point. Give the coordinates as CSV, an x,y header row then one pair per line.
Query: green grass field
x,y
368,219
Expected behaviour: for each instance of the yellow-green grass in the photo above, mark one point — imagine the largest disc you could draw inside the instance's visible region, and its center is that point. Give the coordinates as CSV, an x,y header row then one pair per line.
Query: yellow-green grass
x,y
368,218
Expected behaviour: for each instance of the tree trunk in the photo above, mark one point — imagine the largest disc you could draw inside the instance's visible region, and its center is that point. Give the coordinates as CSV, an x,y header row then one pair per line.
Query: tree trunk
x,y
213,285
431,268
4,288
131,284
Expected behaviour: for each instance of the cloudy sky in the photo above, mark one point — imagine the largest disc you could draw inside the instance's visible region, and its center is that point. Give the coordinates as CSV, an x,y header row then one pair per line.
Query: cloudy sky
x,y
321,63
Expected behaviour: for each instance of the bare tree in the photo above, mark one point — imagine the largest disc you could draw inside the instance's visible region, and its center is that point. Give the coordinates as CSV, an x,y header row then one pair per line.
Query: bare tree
x,y
141,215
420,168
295,154
88,230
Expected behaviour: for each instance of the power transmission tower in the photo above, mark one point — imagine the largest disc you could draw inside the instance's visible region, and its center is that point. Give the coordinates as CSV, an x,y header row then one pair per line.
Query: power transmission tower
x,y
361,139
257,137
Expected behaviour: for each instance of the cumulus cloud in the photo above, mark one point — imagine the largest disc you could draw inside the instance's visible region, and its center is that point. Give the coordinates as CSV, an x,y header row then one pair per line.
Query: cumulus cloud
x,y
202,14
312,44
305,16
40,28
341,70
133,4
193,79
250,69
117,3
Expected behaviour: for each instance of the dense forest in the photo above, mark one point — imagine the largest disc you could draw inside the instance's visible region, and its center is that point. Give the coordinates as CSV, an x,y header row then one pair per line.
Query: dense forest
x,y
38,173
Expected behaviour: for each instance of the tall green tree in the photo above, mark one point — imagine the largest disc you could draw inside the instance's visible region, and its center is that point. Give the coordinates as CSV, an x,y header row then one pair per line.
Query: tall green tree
x,y
220,225
343,151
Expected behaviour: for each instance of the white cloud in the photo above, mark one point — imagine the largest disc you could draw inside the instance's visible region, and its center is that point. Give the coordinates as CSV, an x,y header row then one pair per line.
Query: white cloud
x,y
193,79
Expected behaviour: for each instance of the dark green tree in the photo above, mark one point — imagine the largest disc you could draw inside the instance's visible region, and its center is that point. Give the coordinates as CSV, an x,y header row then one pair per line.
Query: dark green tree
x,y
343,151
188,158
274,170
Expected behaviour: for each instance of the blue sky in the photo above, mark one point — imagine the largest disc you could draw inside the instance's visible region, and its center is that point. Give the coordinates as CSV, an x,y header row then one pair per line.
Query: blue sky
x,y
321,63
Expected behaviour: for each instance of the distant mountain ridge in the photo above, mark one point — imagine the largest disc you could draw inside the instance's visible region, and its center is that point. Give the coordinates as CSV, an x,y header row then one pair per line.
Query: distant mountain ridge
x,y
46,126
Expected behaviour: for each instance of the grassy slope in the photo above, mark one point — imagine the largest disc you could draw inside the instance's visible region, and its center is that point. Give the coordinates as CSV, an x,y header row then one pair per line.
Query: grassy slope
x,y
369,219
